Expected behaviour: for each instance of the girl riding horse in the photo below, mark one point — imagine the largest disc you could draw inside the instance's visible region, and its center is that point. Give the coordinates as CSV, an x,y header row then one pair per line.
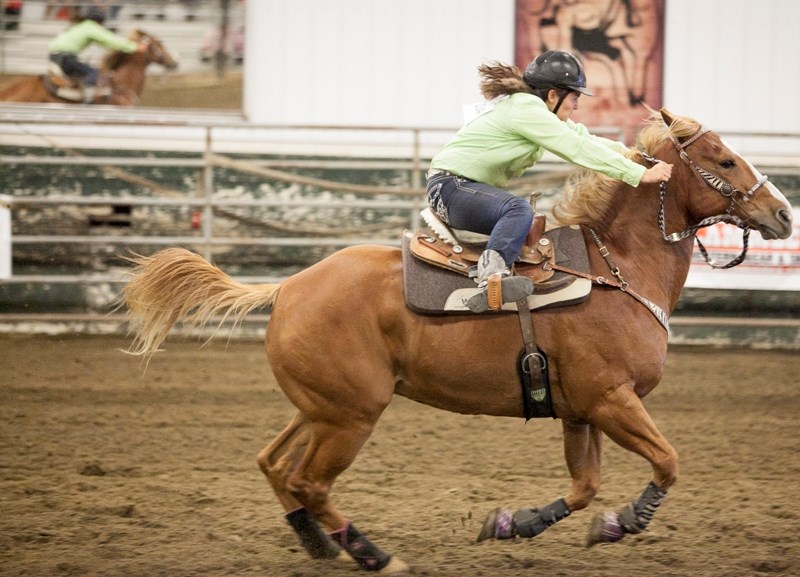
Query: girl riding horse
x,y
66,47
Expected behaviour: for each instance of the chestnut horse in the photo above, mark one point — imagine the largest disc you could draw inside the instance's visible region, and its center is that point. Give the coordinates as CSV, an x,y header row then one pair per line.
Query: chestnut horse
x,y
341,341
123,73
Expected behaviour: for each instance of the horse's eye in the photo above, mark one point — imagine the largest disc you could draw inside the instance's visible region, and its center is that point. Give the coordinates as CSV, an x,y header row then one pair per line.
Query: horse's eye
x,y
727,164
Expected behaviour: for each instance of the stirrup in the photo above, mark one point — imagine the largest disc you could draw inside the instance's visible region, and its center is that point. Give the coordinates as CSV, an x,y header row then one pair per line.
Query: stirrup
x,y
497,290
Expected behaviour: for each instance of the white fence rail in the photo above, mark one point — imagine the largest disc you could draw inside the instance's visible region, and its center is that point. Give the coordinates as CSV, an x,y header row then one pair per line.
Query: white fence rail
x,y
208,204
68,129
204,144
56,131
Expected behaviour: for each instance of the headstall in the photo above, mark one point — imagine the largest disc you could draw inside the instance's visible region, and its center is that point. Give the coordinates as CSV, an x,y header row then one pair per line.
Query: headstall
x,y
719,184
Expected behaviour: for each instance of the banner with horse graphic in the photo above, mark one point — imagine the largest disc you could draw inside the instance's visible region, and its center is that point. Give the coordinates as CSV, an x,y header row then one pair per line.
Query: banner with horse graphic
x,y
619,42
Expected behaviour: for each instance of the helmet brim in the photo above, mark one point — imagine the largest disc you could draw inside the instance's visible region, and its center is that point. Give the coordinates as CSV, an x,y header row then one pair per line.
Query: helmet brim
x,y
582,90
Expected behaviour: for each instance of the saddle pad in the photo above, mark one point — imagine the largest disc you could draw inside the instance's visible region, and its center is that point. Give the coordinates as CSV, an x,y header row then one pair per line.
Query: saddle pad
x,y
432,290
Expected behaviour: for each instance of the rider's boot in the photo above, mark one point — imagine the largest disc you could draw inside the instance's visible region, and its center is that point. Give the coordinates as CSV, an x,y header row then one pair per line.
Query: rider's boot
x,y
492,267
89,93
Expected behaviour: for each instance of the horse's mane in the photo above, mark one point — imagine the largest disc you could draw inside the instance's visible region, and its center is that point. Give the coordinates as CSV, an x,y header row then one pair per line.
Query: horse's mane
x,y
115,59
588,194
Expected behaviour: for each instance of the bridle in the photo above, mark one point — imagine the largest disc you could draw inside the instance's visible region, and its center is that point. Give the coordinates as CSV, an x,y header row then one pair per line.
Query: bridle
x,y
719,184
707,178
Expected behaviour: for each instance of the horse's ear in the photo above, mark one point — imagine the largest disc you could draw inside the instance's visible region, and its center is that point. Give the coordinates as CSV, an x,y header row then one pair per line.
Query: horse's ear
x,y
667,116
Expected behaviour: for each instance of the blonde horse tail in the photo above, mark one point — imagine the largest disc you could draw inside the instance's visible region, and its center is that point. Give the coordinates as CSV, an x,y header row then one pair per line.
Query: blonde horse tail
x,y
176,285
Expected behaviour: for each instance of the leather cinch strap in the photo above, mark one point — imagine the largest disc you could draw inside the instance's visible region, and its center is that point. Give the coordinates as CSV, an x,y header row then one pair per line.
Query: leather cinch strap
x,y
536,398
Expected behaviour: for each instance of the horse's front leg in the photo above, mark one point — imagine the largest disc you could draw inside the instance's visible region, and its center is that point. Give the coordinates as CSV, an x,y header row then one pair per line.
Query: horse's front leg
x,y
624,419
583,445
582,450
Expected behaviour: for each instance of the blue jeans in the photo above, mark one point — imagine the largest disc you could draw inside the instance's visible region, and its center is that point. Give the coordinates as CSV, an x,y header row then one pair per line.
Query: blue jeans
x,y
468,205
74,68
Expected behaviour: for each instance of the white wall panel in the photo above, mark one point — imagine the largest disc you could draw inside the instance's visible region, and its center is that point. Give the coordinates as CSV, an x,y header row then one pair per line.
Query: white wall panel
x,y
734,64
370,62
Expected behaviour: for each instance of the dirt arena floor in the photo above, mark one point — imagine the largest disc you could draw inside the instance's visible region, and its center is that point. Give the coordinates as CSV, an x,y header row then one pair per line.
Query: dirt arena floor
x,y
105,471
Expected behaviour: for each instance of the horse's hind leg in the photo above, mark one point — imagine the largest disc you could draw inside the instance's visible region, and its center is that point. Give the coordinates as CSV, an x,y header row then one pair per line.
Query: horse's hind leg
x,y
624,419
331,449
301,465
277,461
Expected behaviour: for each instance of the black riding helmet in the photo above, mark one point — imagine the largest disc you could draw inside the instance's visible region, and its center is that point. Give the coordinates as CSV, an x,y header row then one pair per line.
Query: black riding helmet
x,y
95,13
556,69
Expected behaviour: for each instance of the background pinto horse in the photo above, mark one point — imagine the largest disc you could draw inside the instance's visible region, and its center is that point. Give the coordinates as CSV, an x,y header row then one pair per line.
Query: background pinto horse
x,y
124,73
341,341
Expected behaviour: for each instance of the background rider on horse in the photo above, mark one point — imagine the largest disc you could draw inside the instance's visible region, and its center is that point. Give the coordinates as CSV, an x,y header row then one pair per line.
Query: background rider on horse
x,y
88,29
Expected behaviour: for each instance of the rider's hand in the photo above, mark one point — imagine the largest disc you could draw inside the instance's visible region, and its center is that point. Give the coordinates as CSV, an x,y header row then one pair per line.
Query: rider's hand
x,y
143,46
659,172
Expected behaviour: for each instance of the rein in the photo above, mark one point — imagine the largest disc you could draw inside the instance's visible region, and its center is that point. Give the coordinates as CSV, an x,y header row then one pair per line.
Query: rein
x,y
719,184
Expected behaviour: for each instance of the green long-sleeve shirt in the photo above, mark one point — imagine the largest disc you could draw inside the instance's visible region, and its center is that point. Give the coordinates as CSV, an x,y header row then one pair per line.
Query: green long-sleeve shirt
x,y
75,38
503,142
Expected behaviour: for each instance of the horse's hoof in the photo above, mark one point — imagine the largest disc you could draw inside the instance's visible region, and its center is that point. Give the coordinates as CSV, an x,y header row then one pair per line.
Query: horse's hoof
x,y
395,567
499,524
605,528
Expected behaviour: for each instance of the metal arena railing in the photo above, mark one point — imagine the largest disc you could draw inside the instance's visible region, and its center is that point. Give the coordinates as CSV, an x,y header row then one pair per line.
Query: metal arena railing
x,y
216,143
407,200
63,134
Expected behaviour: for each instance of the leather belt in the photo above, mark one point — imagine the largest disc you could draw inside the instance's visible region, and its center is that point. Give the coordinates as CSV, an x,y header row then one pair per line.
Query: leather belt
x,y
436,172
